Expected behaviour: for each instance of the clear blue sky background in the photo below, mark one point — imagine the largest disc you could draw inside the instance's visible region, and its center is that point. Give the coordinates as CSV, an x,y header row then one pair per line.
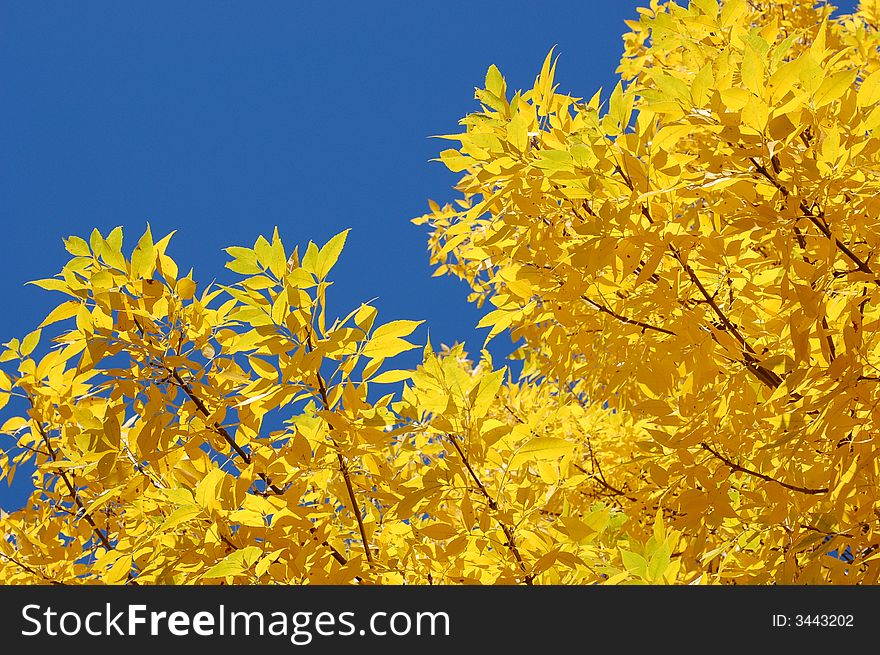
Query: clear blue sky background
x,y
222,120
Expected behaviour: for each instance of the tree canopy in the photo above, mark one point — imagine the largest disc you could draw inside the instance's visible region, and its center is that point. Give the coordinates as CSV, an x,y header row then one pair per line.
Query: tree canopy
x,y
687,266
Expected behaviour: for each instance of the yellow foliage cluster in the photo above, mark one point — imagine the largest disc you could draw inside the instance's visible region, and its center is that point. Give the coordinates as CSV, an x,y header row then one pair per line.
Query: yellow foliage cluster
x,y
147,422
699,254
689,267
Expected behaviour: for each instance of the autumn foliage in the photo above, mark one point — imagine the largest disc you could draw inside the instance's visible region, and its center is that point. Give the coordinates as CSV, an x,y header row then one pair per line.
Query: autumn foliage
x,y
687,264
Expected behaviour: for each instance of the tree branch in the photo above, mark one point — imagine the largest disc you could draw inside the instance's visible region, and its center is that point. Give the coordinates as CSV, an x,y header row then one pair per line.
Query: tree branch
x,y
815,220
600,478
768,377
70,488
736,467
343,466
508,532
765,375
219,429
624,319
30,570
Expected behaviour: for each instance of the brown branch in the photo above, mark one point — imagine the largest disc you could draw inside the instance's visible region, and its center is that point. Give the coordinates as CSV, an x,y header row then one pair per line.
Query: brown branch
x,y
750,360
219,429
624,319
30,570
216,427
200,405
653,277
508,532
736,467
492,504
70,488
815,220
829,339
223,432
768,377
813,528
339,557
600,478
245,456
826,231
343,466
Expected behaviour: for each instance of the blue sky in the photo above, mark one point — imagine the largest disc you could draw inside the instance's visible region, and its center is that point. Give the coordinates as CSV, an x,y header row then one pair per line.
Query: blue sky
x,y
222,120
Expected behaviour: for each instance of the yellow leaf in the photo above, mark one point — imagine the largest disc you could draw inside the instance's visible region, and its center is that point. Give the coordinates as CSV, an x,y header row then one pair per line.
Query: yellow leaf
x,y
385,347
101,500
701,86
364,317
752,71
329,254
13,425
495,82
231,565
119,571
659,562
180,515
869,91
300,278
783,78
30,342
264,563
63,311
77,246
659,527
277,256
541,448
439,531
388,377
258,282
206,489
396,329
811,73
244,261
186,288
634,563
833,87
486,392
263,368
143,259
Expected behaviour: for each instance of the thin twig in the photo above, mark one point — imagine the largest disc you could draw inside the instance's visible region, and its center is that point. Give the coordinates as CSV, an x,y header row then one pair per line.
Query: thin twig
x,y
343,466
815,220
200,405
493,505
70,488
30,570
736,467
624,319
